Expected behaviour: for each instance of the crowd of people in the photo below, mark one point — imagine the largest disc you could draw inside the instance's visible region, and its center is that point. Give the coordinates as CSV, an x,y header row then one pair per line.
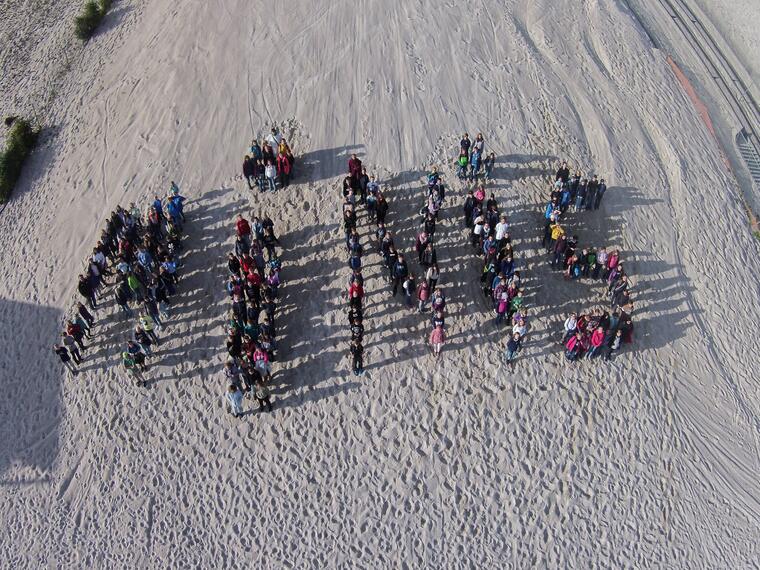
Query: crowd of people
x,y
358,188
427,257
490,238
269,165
599,333
140,256
576,191
253,286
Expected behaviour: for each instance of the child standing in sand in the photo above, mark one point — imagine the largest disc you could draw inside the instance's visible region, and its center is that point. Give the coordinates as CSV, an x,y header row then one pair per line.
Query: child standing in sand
x,y
263,396
357,354
271,175
513,347
437,338
235,400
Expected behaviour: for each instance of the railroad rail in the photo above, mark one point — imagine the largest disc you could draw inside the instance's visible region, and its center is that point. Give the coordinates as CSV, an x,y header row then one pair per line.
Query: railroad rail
x,y
729,82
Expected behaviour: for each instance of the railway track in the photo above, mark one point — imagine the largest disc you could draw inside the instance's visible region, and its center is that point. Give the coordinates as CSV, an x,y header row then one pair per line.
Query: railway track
x,y
727,79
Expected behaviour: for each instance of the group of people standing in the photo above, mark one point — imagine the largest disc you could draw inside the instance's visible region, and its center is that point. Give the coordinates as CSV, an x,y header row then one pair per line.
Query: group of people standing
x,y
501,281
358,188
599,333
576,191
142,254
472,158
427,257
269,164
252,285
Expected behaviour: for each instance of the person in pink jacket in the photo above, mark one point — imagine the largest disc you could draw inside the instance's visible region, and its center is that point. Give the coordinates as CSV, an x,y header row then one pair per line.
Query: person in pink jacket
x,y
597,339
612,262
261,363
575,347
283,169
437,338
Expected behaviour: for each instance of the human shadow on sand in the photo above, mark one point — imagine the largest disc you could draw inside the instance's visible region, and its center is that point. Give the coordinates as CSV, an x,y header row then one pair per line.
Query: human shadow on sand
x,y
326,163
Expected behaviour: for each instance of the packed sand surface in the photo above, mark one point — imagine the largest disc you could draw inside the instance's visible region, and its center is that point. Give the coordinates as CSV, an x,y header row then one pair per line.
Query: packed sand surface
x,y
737,24
650,460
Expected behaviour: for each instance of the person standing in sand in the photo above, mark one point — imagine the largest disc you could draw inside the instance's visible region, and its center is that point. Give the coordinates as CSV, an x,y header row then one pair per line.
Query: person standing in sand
x,y
63,354
513,347
234,399
354,171
248,170
271,175
399,272
437,338
130,364
357,354
283,169
263,396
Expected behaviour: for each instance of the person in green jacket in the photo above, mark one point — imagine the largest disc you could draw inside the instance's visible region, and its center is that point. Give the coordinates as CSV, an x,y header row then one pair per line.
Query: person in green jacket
x,y
130,365
590,262
462,163
135,286
516,304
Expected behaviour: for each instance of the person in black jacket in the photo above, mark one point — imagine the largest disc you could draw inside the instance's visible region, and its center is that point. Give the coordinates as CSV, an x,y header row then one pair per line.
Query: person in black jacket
x,y
357,353
65,358
85,289
469,206
563,173
248,171
590,199
390,261
400,272
382,208
357,330
600,190
513,347
428,256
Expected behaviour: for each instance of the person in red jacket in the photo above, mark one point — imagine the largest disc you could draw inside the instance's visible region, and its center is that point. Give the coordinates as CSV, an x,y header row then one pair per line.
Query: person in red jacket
x,y
597,340
355,170
243,229
283,169
355,290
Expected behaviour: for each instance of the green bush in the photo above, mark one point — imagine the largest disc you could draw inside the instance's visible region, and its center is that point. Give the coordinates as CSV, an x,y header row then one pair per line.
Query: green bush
x,y
21,140
89,20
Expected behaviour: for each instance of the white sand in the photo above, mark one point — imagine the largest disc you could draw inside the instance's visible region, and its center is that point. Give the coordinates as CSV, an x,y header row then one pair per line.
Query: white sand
x,y
737,22
650,461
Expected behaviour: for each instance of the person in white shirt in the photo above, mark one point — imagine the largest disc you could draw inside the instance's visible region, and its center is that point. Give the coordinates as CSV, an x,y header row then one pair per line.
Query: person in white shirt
x,y
520,328
477,231
273,138
234,399
271,173
501,231
571,324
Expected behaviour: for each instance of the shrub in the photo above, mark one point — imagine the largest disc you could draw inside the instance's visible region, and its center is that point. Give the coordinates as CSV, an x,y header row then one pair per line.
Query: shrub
x,y
89,20
21,140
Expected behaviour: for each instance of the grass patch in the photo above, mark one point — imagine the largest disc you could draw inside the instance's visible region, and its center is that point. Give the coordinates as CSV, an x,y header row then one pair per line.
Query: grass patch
x,y
21,140
89,20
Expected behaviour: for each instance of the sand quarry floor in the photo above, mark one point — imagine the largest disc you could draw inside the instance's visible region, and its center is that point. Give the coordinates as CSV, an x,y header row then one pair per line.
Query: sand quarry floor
x,y
650,461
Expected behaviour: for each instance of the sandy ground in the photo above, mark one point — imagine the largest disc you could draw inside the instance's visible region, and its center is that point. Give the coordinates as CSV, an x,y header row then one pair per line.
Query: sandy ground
x,y
737,23
650,461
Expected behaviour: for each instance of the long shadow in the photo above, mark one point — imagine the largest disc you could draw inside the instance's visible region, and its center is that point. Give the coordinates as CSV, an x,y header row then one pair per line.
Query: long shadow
x,y
113,19
658,292
326,163
31,408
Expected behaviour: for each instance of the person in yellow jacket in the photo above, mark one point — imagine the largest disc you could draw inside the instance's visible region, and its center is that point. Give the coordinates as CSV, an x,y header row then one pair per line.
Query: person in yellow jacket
x,y
556,232
147,324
